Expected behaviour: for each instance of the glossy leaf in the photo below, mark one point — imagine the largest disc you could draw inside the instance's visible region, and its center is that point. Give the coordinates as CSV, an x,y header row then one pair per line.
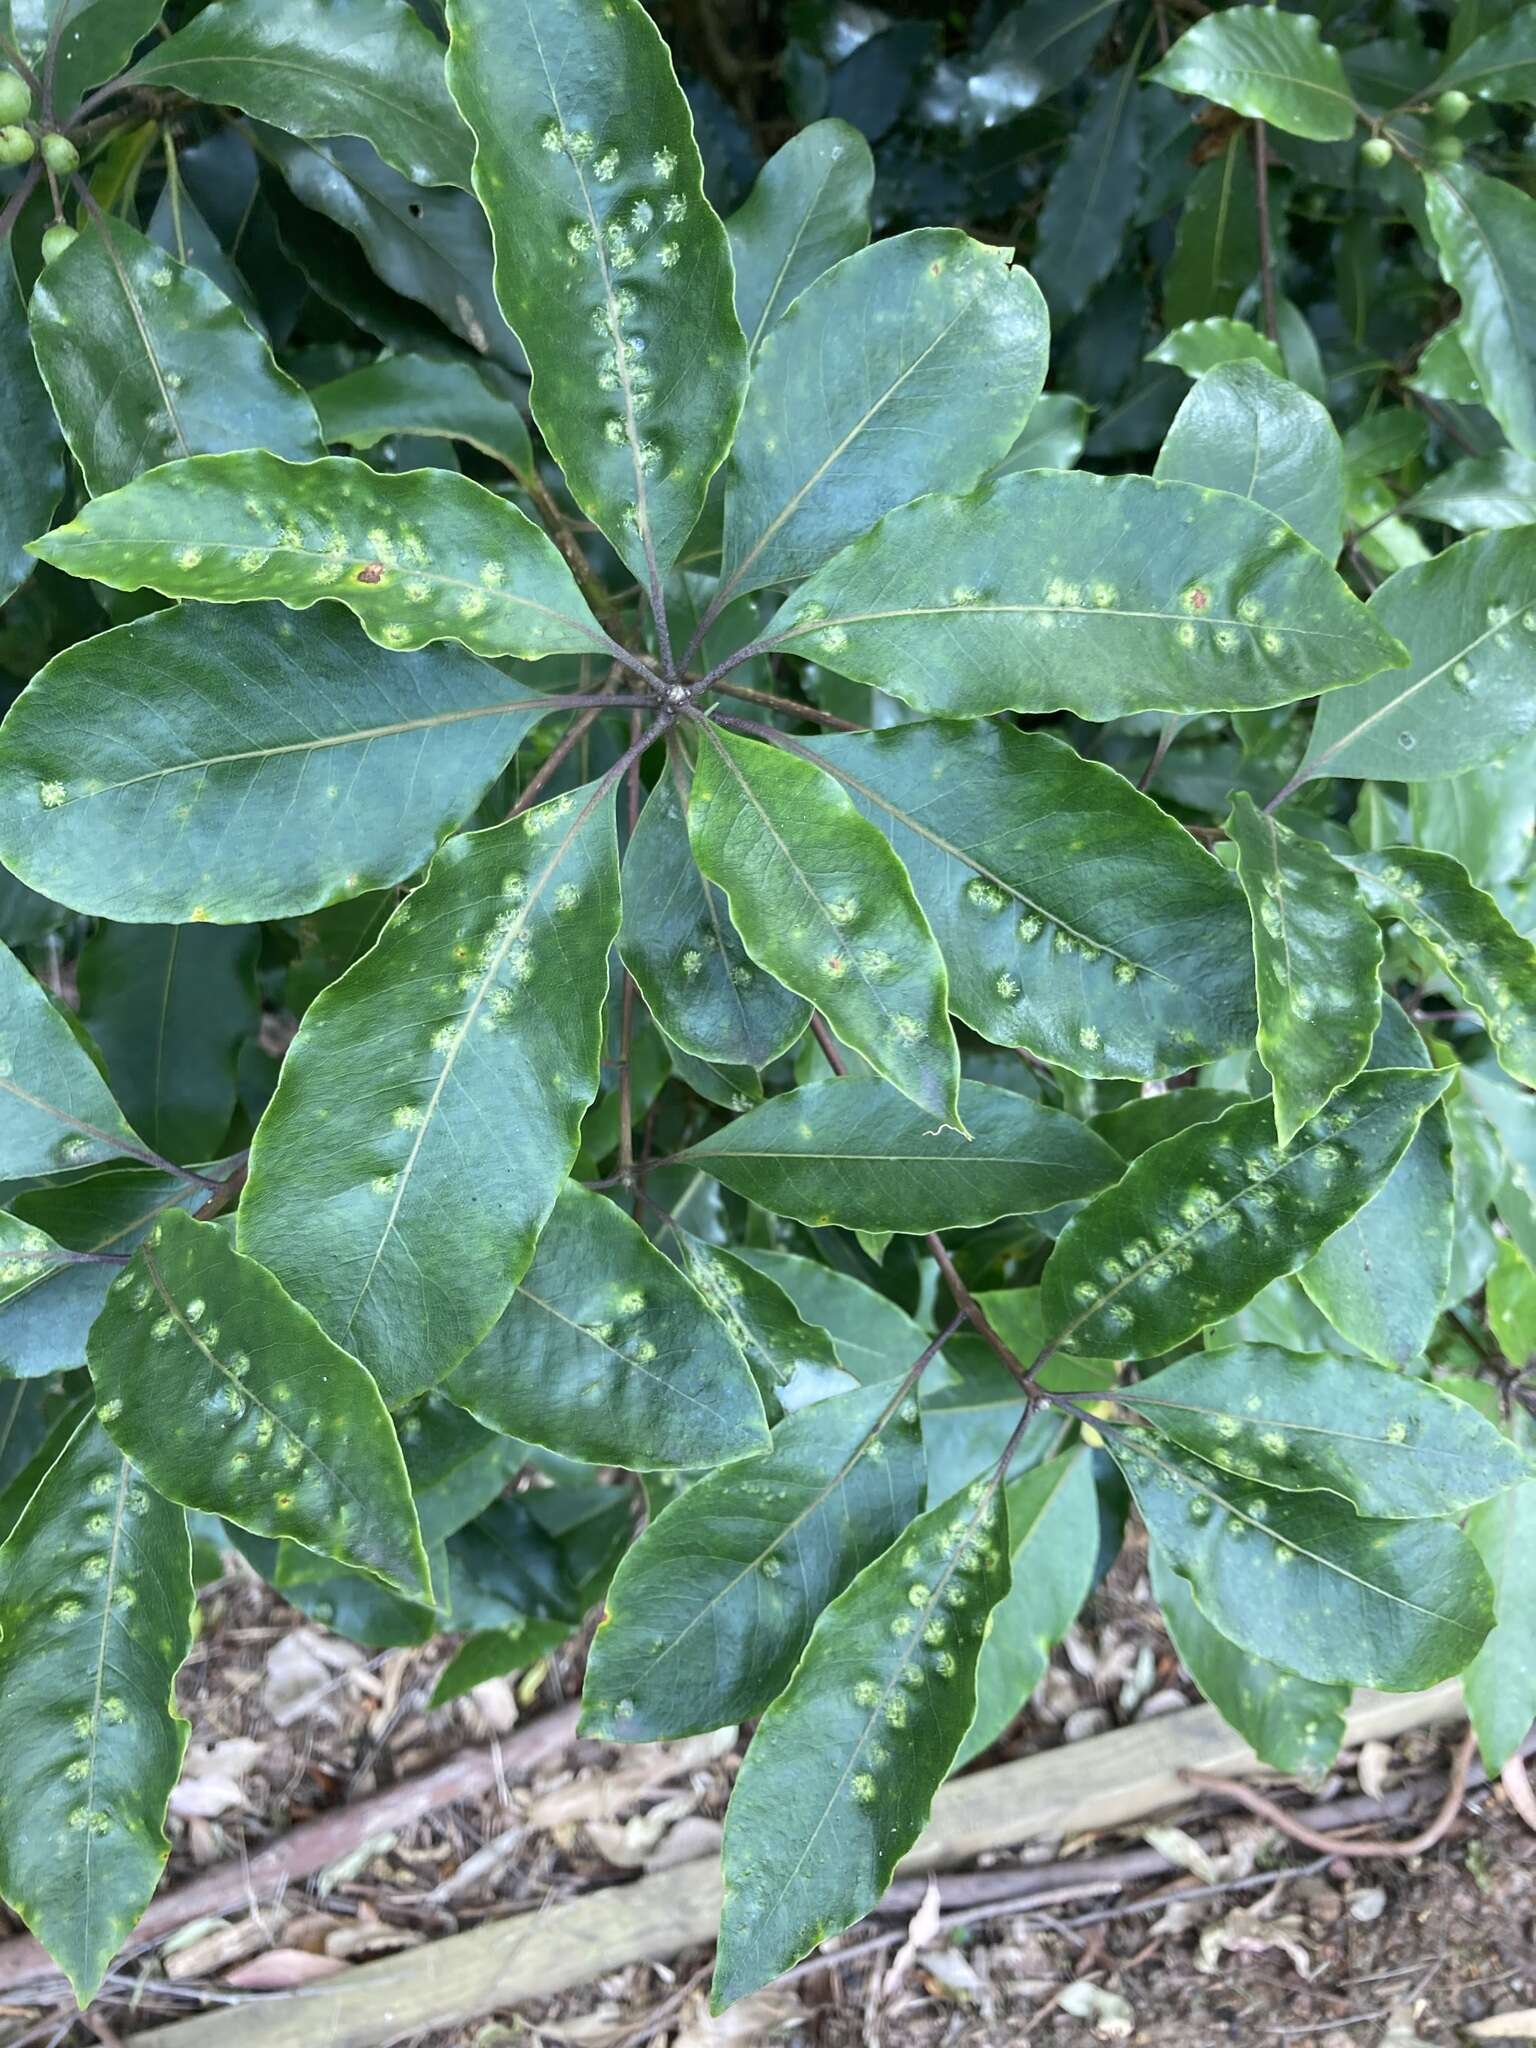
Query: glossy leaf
x,y
339,774
354,1199
607,1353
1271,65
229,1398
795,1363
1216,249
1500,1683
1202,345
1292,1724
1469,692
874,1338
1318,954
1053,1542
1484,230
170,1006
494,1652
417,557
808,209
363,67
30,487
95,39
908,367
679,943
1053,435
1492,963
1147,1119
1393,1447
56,1111
611,267
854,1153
1204,1220
146,360
844,1765
709,1611
1301,1579
1500,65
1095,594
1074,916
95,1619
823,904
1244,430
1480,491
1511,1298
470,402
1383,1278
1092,197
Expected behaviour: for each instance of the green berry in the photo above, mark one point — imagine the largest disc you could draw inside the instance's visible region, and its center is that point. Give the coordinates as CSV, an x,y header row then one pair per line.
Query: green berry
x,y
60,155
1445,149
16,146
1451,107
56,240
1377,152
15,99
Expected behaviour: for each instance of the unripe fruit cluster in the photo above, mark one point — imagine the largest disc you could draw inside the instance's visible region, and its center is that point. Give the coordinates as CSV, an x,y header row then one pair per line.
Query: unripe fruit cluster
x,y
18,145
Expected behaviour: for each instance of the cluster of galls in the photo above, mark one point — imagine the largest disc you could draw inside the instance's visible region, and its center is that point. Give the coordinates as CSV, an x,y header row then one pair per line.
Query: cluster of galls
x,y
20,141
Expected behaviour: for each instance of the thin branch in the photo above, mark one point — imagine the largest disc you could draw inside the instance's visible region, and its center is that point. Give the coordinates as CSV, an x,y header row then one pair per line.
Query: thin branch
x,y
627,994
971,1308
563,748
1266,245
1164,741
787,705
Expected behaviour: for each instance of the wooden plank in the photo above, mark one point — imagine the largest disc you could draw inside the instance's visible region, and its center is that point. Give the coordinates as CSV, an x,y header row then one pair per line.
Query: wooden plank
x,y
1107,1781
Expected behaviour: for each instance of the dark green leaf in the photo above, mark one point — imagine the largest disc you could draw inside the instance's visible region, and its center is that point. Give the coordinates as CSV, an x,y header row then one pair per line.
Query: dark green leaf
x,y
456,1468
56,1111
1095,594
1092,197
710,1610
236,803
1271,65
95,38
1216,252
821,901
795,1363
146,360
1500,65
840,1774
808,210
363,67
910,366
855,1153
1074,916
1301,1579
471,1082
1204,1220
1484,229
95,1619
229,1398
470,402
875,1340
31,483
494,1652
1243,430
1500,1683
1147,1119
611,266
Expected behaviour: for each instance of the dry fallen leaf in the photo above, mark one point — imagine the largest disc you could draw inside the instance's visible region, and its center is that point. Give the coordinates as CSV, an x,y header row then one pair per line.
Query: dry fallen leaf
x,y
1248,1931
280,1969
1110,2016
1374,1768
921,1929
764,2016
1506,2026
301,1669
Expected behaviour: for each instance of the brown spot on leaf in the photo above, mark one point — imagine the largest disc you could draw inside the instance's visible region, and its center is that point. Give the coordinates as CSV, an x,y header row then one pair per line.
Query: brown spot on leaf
x,y
371,572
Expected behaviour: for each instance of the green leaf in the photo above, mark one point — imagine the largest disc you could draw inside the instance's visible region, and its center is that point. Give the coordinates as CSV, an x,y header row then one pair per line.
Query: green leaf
x,y
229,1398
1383,1278
1500,65
56,1111
96,1610
1469,617
170,1006
1301,1579
821,901
146,360
1216,251
688,961
474,1079
854,1153
470,402
456,1468
361,67
1033,52
1147,1119
1479,491
1512,1306
1243,430
908,367
494,1652
1092,198
1202,345
1292,1724
422,556
1053,435
1053,1542
1204,1220
607,1353
339,775
710,1609
30,486
795,1363
1492,964
95,39
27,1255
808,209
1484,231
1318,955
1074,915
1500,1683
1273,66
611,266
1393,1447
1101,595
844,1765
873,1338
